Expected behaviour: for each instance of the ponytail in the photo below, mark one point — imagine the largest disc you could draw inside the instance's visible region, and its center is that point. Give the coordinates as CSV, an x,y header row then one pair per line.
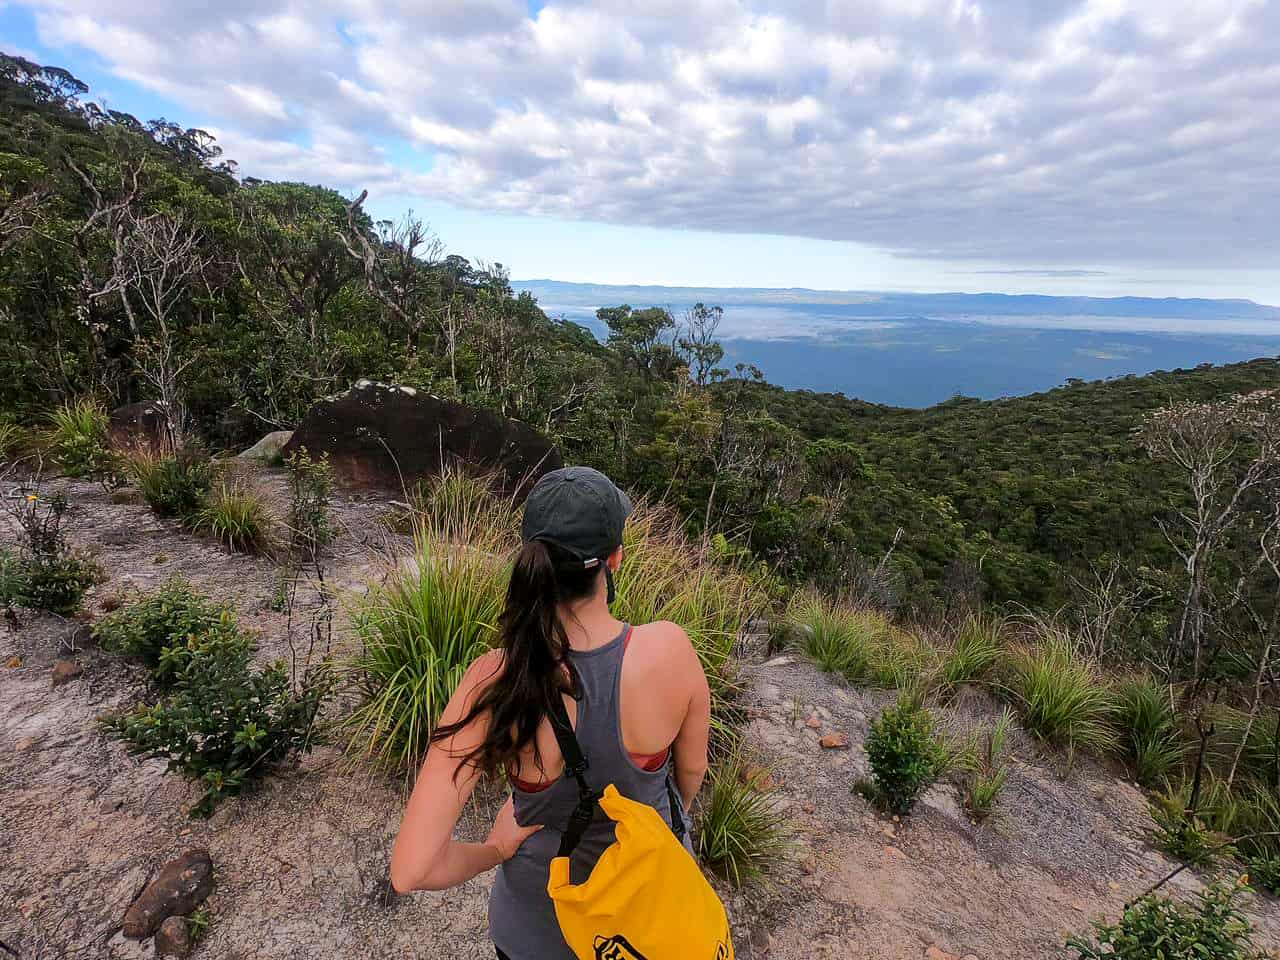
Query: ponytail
x,y
535,667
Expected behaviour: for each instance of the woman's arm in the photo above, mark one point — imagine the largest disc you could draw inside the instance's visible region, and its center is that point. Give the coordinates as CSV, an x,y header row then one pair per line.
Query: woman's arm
x,y
691,742
426,857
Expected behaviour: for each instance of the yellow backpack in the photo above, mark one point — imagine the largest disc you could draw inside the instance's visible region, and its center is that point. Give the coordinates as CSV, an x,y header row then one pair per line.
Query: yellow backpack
x,y
646,897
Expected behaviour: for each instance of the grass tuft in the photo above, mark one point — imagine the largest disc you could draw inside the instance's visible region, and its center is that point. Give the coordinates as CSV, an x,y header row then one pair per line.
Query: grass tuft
x,y
420,631
740,829
173,486
988,767
1060,696
863,646
974,652
1146,721
238,515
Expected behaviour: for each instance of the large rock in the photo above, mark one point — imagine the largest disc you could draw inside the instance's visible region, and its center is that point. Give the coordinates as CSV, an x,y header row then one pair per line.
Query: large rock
x,y
388,437
140,425
180,887
269,447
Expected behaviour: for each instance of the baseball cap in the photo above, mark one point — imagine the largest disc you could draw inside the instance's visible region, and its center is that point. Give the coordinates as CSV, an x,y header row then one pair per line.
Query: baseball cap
x,y
579,510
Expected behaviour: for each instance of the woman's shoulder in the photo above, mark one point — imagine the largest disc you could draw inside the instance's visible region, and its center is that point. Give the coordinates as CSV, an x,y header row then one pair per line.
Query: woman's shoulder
x,y
661,641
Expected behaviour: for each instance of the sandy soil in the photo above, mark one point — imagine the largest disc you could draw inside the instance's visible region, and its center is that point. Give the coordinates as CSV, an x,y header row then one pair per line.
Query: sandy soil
x,y
301,864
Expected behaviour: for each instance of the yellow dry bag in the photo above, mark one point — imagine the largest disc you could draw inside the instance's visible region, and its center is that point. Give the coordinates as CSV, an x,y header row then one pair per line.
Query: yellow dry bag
x,y
646,897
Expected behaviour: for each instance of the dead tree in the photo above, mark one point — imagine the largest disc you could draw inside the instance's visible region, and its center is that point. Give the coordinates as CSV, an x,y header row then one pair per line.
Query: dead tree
x,y
1227,450
162,258
397,269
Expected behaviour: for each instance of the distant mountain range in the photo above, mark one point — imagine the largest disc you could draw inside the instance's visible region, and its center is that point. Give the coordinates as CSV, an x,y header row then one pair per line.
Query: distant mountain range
x,y
873,304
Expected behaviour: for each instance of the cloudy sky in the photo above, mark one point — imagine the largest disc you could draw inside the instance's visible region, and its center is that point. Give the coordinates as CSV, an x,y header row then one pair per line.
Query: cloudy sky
x,y
1076,146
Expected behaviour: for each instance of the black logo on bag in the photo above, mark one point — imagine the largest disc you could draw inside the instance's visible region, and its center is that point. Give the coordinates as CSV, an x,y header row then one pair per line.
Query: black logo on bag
x,y
616,948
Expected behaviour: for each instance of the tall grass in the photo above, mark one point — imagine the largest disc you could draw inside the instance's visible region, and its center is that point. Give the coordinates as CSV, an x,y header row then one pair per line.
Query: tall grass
x,y
862,645
1060,695
239,516
1257,743
79,439
667,576
741,831
975,651
173,486
988,767
12,438
1146,721
420,631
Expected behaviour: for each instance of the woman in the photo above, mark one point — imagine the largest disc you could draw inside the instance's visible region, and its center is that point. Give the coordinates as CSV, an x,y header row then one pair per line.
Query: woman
x,y
636,696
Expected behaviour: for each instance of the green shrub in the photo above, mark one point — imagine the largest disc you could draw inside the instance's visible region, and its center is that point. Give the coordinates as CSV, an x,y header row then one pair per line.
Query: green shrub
x,y
238,516
1264,872
225,726
861,645
987,766
166,629
79,441
420,630
174,486
977,647
740,829
310,493
1184,834
1211,928
1146,722
1061,698
904,755
46,574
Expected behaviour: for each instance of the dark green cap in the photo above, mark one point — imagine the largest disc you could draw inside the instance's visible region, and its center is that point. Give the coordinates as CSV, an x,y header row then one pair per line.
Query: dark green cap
x,y
579,510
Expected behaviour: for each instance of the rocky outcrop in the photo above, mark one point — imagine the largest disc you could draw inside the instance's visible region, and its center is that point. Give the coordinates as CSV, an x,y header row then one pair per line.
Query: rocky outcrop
x,y
180,887
388,437
269,447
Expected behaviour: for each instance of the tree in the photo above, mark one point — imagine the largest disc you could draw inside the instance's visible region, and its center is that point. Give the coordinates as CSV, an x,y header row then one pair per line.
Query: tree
x,y
1226,450
637,335
698,343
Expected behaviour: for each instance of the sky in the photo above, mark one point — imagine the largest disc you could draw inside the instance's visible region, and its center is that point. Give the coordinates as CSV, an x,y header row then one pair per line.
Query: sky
x,y
1099,147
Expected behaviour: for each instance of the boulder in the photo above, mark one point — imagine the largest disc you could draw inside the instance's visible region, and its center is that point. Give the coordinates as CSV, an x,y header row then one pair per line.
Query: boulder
x,y
179,887
140,425
269,447
173,939
388,437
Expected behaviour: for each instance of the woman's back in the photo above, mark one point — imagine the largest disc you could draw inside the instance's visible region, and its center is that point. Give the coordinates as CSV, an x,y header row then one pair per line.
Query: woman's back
x,y
522,920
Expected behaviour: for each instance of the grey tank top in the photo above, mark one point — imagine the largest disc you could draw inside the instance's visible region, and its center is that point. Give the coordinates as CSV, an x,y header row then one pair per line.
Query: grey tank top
x,y
522,920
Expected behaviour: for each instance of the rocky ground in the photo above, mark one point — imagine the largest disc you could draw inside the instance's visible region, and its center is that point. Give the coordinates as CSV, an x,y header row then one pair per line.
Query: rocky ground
x,y
300,866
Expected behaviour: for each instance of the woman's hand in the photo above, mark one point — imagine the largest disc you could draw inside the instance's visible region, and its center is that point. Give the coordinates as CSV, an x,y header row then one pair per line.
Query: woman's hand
x,y
507,835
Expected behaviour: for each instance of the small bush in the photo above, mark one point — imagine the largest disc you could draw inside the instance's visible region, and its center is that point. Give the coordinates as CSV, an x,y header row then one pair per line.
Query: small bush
x,y
167,628
1264,872
904,755
740,830
1061,698
420,631
988,767
238,516
1183,834
975,651
173,486
1146,721
1158,927
80,442
46,574
310,493
225,726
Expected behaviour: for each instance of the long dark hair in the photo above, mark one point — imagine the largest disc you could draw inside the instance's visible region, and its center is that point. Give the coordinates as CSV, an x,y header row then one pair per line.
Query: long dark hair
x,y
535,664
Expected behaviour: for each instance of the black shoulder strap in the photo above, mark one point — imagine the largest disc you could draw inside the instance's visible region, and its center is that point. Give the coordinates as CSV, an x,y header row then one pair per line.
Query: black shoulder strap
x,y
575,765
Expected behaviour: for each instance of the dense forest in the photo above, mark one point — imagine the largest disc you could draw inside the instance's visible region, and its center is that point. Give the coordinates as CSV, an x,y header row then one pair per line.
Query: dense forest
x,y
136,264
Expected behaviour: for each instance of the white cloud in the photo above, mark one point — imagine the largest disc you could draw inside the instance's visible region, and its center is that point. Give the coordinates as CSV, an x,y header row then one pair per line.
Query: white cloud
x,y
1014,131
